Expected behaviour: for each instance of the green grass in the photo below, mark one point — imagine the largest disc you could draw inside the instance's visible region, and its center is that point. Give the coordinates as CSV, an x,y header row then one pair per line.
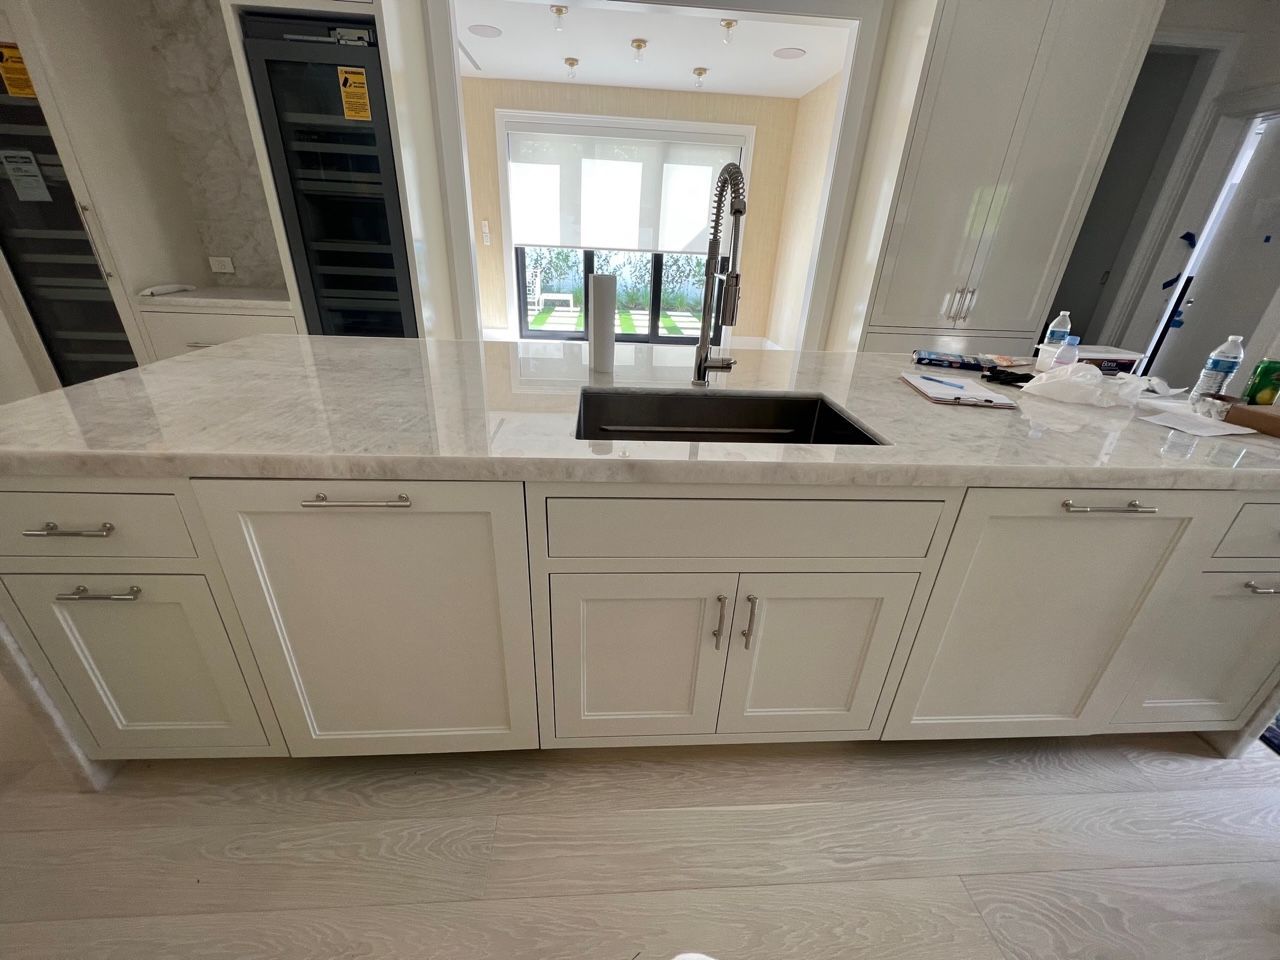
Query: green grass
x,y
540,318
626,323
582,322
669,326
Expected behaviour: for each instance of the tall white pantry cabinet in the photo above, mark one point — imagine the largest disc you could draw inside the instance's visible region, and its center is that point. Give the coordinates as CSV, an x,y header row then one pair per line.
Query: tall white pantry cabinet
x,y
1020,103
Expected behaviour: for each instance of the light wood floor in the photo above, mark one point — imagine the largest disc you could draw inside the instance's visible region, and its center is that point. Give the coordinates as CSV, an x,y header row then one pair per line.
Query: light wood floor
x,y
1128,848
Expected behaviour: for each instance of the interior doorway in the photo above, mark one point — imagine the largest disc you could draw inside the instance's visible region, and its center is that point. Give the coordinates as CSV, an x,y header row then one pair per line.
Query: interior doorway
x,y
1233,274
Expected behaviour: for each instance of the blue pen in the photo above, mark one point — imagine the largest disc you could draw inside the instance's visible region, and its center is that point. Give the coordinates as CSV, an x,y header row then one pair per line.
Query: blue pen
x,y
945,383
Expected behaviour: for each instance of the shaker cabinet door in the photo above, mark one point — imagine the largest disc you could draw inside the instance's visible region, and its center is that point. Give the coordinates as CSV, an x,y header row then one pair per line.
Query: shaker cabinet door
x,y
146,659
967,118
637,653
1026,629
810,651
387,617
1212,651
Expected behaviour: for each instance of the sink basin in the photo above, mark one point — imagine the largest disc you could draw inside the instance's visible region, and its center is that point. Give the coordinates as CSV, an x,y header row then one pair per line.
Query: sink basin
x,y
716,416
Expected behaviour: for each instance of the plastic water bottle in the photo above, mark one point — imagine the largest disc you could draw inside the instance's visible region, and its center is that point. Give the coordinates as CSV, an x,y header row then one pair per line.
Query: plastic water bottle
x,y
1220,368
1059,329
1068,353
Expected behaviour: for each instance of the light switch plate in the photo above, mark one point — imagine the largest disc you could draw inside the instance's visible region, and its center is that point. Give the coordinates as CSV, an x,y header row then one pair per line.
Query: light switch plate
x,y
221,265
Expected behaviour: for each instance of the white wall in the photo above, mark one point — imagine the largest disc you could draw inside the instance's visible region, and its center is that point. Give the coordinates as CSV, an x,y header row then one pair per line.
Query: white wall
x,y
1258,22
903,66
16,380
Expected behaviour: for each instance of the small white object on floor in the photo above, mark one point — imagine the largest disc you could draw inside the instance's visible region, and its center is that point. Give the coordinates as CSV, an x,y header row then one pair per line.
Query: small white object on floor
x,y
1197,425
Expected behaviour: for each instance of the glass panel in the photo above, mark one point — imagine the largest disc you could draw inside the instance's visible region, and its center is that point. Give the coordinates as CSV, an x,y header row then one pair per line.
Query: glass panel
x,y
49,252
343,188
554,303
683,280
635,288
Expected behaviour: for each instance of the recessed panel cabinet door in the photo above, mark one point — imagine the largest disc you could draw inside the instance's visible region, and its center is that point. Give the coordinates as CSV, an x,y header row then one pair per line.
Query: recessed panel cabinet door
x,y
637,653
967,119
1213,646
1025,632
386,617
810,651
146,659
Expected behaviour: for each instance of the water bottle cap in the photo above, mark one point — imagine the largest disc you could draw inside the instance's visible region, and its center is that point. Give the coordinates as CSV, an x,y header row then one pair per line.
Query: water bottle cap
x,y
1235,339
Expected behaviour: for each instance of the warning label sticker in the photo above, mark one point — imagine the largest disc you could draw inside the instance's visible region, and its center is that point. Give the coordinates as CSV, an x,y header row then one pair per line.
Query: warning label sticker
x,y
355,93
13,71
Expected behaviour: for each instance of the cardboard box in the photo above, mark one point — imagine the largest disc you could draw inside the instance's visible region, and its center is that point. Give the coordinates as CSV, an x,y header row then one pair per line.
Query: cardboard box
x,y
1263,419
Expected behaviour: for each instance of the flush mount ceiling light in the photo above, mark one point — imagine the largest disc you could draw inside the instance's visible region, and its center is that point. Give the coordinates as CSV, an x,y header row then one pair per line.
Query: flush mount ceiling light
x,y
572,64
698,74
790,53
638,45
558,10
728,29
486,30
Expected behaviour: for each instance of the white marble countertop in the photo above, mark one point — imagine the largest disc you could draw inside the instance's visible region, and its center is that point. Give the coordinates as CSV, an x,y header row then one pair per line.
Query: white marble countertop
x,y
283,406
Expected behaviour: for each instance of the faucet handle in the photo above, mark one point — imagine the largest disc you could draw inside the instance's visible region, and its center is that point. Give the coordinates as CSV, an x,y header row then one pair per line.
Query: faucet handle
x,y
720,363
729,300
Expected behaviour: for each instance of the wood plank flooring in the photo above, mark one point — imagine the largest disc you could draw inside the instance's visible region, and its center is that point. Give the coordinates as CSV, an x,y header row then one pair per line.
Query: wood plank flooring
x,y
1133,848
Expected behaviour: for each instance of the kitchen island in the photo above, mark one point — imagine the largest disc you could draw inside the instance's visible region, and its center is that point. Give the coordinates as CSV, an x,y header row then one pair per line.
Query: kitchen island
x,y
318,546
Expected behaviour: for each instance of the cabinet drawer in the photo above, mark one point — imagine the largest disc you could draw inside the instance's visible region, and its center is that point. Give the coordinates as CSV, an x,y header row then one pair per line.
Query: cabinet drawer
x,y
174,333
637,527
1255,532
41,524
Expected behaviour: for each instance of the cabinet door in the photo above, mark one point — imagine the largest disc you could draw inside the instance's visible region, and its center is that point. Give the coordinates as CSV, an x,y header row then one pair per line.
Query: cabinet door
x,y
982,64
637,653
1212,649
383,625
1030,609
147,668
1085,71
816,652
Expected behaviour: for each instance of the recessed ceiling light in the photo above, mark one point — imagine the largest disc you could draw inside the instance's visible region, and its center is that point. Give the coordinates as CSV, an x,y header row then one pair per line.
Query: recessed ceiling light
x,y
789,53
486,30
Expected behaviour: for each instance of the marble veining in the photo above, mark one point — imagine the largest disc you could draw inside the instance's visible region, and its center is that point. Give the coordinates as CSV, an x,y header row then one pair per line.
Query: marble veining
x,y
287,406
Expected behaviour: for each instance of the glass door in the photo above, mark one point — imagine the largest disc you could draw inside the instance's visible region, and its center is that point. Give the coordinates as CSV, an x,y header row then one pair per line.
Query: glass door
x,y
45,242
318,84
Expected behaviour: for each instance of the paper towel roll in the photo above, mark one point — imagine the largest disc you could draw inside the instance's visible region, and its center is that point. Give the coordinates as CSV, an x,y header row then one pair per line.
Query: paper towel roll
x,y
604,304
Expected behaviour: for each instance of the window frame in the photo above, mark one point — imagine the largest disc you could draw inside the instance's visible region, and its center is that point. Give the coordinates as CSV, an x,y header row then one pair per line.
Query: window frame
x,y
686,131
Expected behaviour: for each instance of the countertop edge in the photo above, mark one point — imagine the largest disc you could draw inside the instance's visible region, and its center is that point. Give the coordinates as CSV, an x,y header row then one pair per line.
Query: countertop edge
x,y
90,465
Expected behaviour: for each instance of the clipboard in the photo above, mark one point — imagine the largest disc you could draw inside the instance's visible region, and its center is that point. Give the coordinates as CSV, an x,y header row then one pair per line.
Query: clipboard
x,y
970,393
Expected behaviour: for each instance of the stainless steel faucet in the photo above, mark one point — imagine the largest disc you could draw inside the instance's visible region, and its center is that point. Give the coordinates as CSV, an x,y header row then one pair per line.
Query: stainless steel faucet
x,y
720,294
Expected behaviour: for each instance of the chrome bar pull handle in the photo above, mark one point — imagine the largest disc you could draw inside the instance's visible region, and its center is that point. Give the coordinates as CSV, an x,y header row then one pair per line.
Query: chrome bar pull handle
x,y
1261,591
51,529
82,593
970,295
321,500
718,632
747,634
199,345
1133,506
953,303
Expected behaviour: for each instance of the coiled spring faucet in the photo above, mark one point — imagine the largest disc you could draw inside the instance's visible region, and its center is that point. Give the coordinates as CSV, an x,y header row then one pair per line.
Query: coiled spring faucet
x,y
723,284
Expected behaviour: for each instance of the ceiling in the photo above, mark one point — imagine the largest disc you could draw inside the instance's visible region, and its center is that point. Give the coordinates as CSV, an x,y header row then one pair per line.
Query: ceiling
x,y
600,37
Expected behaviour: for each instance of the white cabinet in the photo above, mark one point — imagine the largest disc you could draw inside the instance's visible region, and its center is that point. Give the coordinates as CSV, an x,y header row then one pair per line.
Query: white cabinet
x,y
145,658
1212,648
1026,630
172,334
637,654
701,653
1021,100
386,617
810,651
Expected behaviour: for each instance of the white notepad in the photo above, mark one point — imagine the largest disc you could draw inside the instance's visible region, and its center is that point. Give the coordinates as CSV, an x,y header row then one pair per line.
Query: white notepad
x,y
966,393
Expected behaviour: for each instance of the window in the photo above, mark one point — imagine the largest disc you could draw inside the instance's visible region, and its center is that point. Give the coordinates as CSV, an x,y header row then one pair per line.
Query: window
x,y
595,196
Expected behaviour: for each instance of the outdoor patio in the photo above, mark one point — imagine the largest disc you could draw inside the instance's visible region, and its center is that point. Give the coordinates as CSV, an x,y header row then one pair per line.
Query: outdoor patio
x,y
558,318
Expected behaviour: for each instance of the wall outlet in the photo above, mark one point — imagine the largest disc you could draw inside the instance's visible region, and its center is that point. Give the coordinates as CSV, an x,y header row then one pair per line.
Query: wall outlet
x,y
221,265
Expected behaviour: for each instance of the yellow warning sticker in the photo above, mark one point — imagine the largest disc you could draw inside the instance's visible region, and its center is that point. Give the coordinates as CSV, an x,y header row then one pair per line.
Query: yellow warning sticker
x,y
355,93
13,71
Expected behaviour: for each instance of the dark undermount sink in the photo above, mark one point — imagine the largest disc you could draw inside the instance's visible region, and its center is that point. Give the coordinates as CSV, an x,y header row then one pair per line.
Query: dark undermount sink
x,y
715,416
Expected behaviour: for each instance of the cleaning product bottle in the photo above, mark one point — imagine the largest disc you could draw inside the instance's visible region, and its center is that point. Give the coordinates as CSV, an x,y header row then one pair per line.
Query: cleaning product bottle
x,y
1068,353
1220,368
1055,337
